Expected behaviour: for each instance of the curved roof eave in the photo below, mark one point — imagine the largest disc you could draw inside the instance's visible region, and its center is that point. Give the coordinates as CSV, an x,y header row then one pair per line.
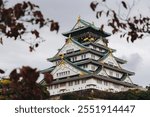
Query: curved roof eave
x,y
83,28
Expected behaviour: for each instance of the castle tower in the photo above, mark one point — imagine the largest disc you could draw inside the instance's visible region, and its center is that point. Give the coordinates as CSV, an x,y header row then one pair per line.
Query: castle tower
x,y
87,62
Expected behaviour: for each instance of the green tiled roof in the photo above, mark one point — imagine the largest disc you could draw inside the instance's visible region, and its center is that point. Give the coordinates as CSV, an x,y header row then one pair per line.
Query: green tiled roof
x,y
98,45
77,67
75,54
70,63
121,61
88,76
47,70
105,66
86,25
75,42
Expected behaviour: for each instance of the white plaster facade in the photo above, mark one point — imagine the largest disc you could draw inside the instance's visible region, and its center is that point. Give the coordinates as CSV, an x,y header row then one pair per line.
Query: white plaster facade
x,y
83,84
110,60
64,70
69,47
113,73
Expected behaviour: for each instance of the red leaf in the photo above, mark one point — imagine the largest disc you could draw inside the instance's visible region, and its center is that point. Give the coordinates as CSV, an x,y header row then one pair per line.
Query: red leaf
x,y
14,76
36,45
124,4
132,26
54,26
112,25
98,14
127,39
25,5
136,21
93,5
141,36
2,71
48,78
38,14
107,13
36,33
3,28
29,74
31,48
31,5
124,34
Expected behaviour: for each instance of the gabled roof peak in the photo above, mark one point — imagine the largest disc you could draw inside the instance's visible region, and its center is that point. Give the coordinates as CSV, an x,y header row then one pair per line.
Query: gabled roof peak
x,y
82,23
83,26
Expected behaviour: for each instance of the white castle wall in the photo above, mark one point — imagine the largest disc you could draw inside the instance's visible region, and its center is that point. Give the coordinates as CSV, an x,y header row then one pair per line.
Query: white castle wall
x,y
86,84
113,73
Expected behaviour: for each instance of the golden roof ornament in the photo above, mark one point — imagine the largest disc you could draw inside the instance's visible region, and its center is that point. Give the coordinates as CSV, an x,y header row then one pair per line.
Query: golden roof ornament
x,y
69,36
81,74
91,39
69,39
78,19
61,56
110,50
62,60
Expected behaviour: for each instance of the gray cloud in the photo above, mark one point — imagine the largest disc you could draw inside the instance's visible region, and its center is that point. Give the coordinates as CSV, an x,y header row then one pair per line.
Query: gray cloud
x,y
134,61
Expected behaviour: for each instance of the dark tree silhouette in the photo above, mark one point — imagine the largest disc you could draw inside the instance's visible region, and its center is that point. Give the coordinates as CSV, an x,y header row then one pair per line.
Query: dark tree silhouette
x,y
23,85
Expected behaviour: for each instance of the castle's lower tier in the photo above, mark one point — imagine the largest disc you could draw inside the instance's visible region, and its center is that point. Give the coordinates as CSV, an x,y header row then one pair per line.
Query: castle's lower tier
x,y
82,83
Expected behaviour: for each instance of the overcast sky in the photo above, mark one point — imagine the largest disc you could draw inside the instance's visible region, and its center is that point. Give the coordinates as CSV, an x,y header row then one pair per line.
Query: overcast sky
x,y
14,54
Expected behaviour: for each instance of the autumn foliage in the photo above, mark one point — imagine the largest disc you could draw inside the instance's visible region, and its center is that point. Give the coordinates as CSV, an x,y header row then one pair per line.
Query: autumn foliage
x,y
128,26
16,20
23,85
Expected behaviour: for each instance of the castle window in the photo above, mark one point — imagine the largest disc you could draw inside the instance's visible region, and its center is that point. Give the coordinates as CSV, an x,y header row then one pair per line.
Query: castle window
x,y
110,73
70,50
83,81
62,84
117,75
50,87
83,56
57,62
74,58
92,56
63,73
99,81
110,63
105,83
85,66
94,47
68,72
77,82
93,67
57,74
55,86
70,84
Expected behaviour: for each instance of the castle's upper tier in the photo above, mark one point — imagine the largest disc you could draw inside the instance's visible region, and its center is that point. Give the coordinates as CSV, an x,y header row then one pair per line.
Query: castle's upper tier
x,y
84,29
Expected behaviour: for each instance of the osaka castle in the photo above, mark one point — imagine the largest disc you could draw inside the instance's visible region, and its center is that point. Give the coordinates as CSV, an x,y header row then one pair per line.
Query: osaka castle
x,y
86,61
